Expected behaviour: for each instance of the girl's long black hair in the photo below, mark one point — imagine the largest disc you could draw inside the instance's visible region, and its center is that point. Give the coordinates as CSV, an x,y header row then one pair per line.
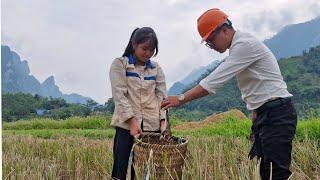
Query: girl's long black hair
x,y
141,35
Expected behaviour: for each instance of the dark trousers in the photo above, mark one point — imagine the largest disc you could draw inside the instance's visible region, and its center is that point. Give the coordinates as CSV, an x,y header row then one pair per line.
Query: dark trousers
x,y
274,130
122,145
123,142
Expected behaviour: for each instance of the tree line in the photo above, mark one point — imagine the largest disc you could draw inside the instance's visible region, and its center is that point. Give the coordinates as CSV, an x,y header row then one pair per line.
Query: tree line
x,y
25,106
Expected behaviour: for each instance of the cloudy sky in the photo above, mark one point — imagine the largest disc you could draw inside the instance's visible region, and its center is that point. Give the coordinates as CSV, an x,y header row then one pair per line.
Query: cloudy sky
x,y
76,40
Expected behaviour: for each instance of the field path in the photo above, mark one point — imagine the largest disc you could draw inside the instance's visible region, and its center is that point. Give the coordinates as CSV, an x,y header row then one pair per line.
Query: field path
x,y
211,120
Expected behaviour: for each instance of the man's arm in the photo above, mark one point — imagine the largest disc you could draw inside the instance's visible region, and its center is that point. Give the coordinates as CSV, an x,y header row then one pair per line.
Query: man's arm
x,y
194,93
242,56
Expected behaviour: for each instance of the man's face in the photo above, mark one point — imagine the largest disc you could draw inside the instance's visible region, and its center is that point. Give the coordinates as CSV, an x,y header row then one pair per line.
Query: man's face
x,y
218,40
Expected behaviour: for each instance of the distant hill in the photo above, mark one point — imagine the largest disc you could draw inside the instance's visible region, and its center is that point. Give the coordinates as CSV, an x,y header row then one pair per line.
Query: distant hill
x,y
196,73
176,88
179,86
293,39
15,77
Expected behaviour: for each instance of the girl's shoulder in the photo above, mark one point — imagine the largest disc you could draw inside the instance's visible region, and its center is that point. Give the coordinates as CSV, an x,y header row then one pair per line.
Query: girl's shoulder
x,y
120,61
156,65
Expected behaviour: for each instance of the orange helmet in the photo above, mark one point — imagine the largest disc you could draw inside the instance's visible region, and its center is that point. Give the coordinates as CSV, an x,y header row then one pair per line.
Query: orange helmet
x,y
209,21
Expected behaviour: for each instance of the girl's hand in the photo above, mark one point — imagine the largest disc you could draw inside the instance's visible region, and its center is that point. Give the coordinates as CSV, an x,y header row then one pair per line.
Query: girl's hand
x,y
135,130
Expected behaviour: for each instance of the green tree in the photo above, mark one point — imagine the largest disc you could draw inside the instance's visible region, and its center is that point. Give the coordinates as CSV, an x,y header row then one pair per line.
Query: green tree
x,y
18,106
110,105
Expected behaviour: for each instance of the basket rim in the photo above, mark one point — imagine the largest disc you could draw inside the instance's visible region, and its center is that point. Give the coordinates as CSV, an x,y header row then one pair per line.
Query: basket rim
x,y
140,143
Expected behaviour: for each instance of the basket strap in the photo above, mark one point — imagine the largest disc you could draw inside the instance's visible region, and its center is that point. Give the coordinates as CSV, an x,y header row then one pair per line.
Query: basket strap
x,y
128,177
147,173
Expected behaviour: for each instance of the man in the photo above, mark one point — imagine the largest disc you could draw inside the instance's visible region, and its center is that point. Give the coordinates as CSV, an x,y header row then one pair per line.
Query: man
x,y
262,88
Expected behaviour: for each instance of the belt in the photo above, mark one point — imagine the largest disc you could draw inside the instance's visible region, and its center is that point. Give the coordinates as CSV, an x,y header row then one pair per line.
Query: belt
x,y
273,103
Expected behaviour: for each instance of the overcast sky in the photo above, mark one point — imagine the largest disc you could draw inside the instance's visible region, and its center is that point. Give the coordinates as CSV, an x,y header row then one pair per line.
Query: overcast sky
x,y
76,40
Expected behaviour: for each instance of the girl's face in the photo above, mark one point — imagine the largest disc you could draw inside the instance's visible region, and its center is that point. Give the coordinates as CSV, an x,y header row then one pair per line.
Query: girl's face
x,y
143,51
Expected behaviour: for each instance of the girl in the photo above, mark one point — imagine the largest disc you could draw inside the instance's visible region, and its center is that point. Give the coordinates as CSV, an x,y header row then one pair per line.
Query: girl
x,y
138,87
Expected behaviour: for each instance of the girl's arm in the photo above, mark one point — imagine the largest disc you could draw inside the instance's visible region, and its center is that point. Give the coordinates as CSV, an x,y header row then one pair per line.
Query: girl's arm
x,y
161,90
118,81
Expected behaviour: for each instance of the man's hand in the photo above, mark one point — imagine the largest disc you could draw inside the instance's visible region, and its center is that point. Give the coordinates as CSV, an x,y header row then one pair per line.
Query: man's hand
x,y
135,130
171,101
253,116
194,93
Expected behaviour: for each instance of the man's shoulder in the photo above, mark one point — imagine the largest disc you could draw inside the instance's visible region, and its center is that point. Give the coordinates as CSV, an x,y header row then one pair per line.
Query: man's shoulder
x,y
245,39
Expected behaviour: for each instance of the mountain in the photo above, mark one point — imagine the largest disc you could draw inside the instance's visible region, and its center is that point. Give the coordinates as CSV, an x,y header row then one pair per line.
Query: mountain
x,y
179,86
196,73
15,77
293,39
75,98
176,88
49,87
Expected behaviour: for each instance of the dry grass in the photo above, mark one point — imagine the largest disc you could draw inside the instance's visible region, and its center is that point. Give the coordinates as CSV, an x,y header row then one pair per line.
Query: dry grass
x,y
217,149
26,157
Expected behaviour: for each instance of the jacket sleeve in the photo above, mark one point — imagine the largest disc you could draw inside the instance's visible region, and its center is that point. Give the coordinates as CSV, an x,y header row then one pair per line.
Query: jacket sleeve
x,y
118,81
161,90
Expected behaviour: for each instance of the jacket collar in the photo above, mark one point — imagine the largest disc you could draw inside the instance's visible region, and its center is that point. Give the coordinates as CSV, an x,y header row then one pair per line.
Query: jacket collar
x,y
132,62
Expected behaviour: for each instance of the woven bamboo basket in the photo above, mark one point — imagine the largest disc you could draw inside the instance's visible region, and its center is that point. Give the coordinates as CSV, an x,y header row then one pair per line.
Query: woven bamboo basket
x,y
160,158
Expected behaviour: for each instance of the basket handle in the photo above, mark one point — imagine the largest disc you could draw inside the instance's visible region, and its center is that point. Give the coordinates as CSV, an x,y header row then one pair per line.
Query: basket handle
x,y
137,136
128,177
168,128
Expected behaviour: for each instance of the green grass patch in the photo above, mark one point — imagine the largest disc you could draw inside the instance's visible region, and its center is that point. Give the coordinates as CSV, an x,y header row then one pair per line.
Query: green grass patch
x,y
232,127
99,127
308,129
90,122
175,121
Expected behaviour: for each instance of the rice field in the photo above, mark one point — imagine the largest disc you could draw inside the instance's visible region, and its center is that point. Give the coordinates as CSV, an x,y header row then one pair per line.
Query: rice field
x,y
81,148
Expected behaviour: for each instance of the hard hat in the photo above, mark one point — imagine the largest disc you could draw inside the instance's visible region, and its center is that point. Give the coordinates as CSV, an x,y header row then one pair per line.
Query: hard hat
x,y
209,21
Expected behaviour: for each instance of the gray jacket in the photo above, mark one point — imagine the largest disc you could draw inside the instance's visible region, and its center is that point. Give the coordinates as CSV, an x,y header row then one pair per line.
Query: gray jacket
x,y
137,91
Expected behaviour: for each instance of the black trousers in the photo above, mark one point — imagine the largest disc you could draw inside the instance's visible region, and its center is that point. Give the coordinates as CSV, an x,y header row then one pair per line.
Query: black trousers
x,y
122,145
274,130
